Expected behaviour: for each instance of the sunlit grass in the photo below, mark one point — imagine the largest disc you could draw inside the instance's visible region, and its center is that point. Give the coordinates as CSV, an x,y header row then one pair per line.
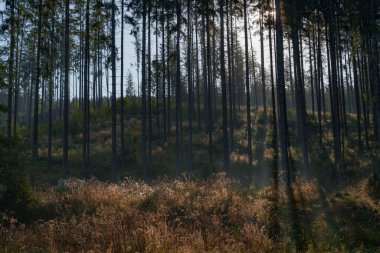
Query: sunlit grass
x,y
214,215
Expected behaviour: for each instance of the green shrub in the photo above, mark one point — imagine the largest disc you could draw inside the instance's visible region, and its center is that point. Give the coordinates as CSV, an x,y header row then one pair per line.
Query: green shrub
x,y
16,195
76,122
260,116
57,127
133,107
373,185
18,199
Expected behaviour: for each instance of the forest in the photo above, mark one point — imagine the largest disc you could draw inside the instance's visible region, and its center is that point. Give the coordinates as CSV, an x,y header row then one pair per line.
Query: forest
x,y
189,126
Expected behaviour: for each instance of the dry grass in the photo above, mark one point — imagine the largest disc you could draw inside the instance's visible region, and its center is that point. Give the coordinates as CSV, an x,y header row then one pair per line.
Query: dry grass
x,y
214,215
178,216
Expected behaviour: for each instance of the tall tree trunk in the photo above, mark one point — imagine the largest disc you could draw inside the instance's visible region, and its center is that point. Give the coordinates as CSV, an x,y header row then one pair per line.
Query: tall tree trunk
x,y
143,96
334,92
113,59
230,76
17,76
66,91
36,91
94,75
224,89
43,86
209,81
293,100
85,150
274,107
300,92
122,140
233,72
157,75
189,83
364,97
249,131
100,73
81,63
374,41
342,93
149,136
51,88
254,83
262,61
320,88
30,92
11,70
281,95
357,98
169,75
214,72
197,72
178,91
163,59
312,80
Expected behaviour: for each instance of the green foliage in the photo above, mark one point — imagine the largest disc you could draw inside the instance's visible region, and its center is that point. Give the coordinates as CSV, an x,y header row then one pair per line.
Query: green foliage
x,y
3,108
130,91
57,127
17,198
101,116
133,106
261,116
16,195
76,121
373,186
2,75
12,155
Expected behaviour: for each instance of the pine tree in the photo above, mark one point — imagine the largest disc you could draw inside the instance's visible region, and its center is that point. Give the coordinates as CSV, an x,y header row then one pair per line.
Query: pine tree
x,y
37,85
249,131
224,88
66,88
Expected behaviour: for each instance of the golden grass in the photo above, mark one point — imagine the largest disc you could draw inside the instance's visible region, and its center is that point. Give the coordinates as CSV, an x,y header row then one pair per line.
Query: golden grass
x,y
214,215
178,216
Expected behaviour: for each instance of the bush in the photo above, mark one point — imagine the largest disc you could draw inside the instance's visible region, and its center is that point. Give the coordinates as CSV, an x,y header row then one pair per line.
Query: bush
x,y
132,107
261,116
16,195
373,186
76,121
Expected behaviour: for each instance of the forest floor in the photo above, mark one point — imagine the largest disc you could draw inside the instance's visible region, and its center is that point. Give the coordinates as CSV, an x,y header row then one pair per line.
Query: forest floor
x,y
203,210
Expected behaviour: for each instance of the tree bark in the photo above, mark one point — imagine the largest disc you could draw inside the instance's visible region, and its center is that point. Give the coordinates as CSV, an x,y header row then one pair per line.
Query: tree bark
x,y
224,89
122,138
249,131
281,95
36,91
66,91
11,70
189,83
178,90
